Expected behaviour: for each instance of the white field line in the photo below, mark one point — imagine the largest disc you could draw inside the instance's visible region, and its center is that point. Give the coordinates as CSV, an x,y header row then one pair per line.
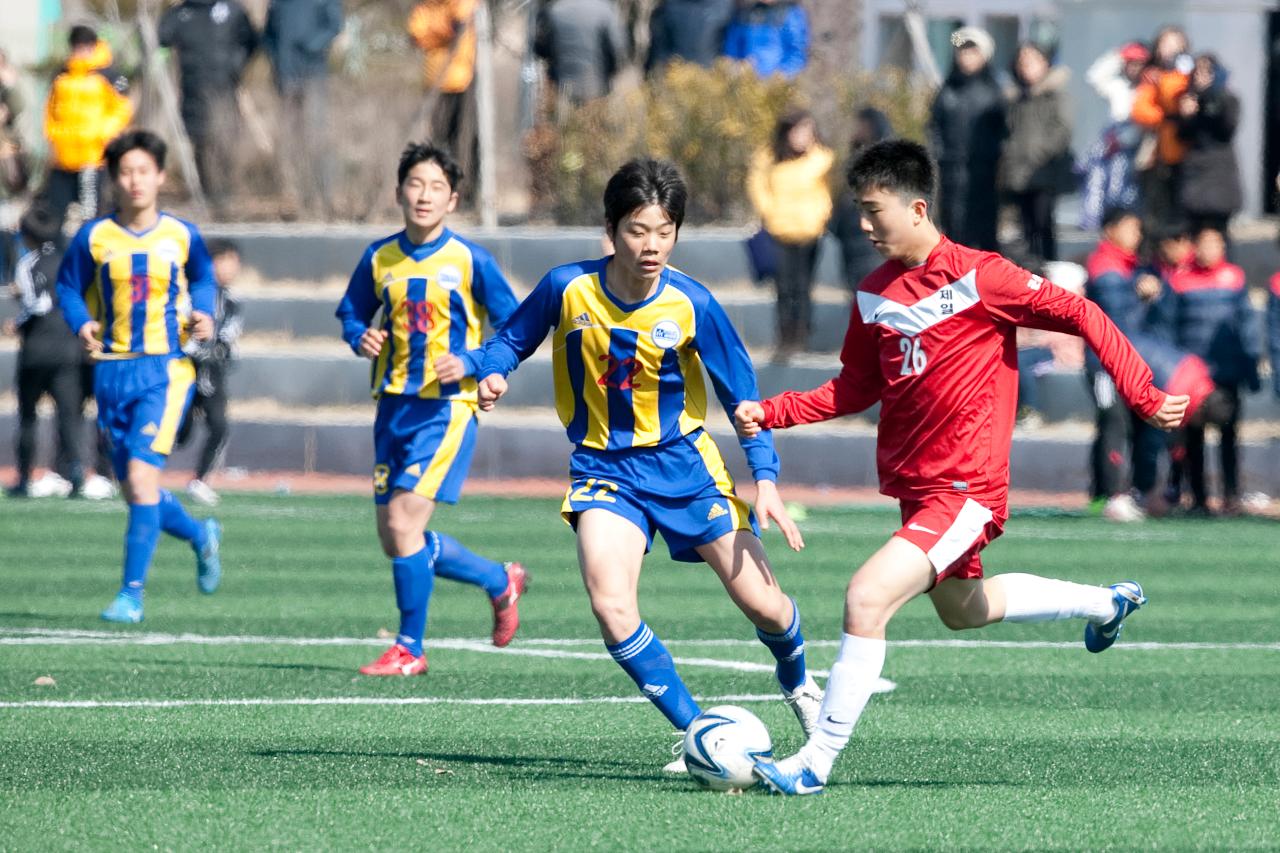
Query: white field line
x,y
55,637
366,700
60,636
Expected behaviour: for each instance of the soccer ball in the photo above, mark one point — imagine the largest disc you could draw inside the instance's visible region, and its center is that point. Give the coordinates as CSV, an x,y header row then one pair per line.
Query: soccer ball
x,y
722,744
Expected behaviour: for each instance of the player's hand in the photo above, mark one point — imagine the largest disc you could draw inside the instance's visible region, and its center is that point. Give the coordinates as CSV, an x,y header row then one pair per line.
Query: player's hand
x,y
449,368
769,506
1171,413
201,326
371,342
748,418
490,390
1148,287
88,336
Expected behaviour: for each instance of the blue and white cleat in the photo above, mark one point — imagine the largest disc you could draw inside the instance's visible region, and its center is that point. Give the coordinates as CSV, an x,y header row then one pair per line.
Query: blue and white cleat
x,y
790,777
123,608
1128,597
208,560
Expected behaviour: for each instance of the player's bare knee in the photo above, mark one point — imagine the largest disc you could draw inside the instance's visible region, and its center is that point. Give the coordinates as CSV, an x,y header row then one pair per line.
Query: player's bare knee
x,y
616,616
866,609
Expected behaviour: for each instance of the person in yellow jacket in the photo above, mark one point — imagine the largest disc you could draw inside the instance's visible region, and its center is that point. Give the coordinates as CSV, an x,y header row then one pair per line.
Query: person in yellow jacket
x,y
445,31
788,185
87,108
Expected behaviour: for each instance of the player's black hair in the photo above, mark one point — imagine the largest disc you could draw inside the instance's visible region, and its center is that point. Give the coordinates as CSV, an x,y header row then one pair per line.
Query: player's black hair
x,y
640,183
40,224
426,152
1117,213
220,246
788,122
1172,231
1206,227
82,35
134,140
897,166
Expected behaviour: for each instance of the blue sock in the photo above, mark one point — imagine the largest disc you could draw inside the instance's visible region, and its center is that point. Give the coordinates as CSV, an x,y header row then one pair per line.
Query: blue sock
x,y
414,579
453,561
788,649
176,521
140,540
643,657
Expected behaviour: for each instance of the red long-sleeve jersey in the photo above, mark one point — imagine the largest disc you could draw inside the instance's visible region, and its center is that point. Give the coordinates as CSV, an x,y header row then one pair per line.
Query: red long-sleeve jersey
x,y
935,345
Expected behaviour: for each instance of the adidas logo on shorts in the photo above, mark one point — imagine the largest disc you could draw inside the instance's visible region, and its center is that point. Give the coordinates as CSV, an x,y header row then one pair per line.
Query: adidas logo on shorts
x,y
717,511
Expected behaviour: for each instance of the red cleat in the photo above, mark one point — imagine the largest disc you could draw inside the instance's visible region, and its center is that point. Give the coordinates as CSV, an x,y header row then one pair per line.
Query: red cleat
x,y
396,660
506,613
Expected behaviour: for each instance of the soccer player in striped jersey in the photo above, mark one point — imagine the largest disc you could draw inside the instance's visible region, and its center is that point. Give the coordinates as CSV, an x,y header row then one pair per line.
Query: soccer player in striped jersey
x,y
132,286
631,337
435,291
931,338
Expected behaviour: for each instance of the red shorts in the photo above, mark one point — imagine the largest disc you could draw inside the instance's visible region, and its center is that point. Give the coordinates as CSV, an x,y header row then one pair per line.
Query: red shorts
x,y
952,529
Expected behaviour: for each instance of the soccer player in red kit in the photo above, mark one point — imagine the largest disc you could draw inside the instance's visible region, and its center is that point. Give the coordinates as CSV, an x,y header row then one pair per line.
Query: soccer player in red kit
x,y
931,338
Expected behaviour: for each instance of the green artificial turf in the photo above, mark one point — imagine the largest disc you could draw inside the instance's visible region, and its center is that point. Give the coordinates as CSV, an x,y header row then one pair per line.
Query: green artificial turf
x,y
1161,742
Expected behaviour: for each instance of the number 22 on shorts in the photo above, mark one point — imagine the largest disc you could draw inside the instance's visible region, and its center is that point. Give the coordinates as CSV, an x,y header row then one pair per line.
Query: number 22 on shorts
x,y
602,489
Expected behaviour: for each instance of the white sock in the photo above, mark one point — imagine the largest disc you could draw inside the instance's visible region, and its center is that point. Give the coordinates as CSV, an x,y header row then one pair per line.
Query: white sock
x,y
853,679
1028,598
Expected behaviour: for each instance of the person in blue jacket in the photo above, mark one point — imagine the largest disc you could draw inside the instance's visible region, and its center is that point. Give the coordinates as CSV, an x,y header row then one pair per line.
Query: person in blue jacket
x,y
772,35
1207,304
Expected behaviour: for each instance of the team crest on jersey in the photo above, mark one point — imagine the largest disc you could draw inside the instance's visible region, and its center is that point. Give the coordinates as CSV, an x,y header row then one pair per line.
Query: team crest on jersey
x,y
1034,282
665,334
168,251
380,475
450,278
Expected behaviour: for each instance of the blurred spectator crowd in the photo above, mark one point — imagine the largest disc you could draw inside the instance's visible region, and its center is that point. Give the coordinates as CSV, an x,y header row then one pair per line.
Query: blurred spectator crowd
x,y
1161,181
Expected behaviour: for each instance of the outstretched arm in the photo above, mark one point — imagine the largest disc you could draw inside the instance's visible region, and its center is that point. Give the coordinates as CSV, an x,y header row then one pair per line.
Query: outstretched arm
x,y
855,388
357,308
734,379
1016,296
526,328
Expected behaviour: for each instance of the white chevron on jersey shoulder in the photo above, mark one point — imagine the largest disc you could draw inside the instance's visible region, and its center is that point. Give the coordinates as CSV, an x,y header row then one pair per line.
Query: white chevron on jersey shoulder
x,y
943,304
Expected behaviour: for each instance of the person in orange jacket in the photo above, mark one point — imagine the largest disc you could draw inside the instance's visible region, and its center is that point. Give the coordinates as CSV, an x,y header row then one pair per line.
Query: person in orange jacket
x,y
87,108
445,31
1156,109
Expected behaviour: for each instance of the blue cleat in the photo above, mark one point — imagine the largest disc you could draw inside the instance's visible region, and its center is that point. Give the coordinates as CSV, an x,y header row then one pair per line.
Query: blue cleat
x,y
208,560
124,608
1128,597
790,777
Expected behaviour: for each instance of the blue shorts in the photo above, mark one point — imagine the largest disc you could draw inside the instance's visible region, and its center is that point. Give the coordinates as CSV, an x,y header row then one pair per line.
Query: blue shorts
x,y
141,403
681,490
422,446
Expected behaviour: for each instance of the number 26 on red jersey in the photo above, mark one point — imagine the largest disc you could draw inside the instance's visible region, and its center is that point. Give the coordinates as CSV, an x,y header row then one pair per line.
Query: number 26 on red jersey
x,y
913,357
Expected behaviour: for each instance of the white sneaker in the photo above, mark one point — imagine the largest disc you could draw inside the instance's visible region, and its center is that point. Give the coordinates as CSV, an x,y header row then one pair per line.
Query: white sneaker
x,y
50,485
200,492
98,488
1123,509
677,749
805,702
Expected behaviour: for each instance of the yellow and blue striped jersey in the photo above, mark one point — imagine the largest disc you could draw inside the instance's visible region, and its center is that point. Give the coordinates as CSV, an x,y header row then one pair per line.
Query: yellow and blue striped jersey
x,y
139,286
632,375
435,299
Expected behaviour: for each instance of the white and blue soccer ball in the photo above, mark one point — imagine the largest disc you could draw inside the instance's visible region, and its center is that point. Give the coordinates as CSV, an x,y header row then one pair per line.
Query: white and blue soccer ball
x,y
722,744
